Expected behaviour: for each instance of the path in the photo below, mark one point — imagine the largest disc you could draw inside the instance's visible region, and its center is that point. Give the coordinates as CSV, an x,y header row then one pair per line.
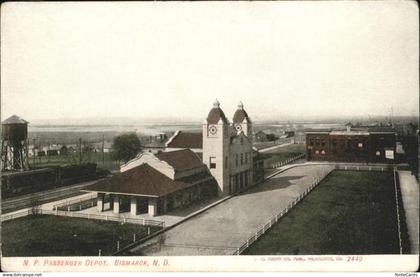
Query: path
x,y
410,197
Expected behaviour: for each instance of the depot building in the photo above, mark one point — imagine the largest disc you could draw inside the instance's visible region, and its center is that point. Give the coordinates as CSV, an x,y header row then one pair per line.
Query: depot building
x,y
194,166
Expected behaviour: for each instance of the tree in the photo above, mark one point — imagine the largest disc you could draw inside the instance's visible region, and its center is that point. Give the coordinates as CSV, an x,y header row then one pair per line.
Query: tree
x,y
272,137
126,147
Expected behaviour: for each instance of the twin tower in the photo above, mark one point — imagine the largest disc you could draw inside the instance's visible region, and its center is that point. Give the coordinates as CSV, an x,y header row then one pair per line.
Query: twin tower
x,y
227,149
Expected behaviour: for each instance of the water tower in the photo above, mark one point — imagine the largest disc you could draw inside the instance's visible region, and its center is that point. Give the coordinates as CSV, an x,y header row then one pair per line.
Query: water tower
x,y
14,147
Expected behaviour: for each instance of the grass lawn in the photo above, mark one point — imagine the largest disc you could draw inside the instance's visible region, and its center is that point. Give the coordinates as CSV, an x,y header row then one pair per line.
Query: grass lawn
x,y
350,212
48,235
282,153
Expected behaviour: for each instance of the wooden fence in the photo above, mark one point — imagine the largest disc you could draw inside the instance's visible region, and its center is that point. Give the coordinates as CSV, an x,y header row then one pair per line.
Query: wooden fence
x,y
287,161
140,221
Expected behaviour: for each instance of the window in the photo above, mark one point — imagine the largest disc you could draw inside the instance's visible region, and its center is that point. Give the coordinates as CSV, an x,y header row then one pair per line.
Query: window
x,y
226,162
311,142
246,158
236,160
322,142
242,159
212,162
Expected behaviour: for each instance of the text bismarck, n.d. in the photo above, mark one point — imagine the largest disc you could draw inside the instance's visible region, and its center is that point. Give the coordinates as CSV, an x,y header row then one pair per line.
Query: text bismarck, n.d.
x,y
136,262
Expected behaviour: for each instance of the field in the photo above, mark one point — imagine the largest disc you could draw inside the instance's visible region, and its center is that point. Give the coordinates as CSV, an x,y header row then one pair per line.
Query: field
x,y
282,153
105,162
47,235
348,213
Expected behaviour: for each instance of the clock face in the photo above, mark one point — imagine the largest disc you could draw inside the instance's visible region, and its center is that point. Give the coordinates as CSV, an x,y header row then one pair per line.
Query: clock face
x,y
238,128
212,129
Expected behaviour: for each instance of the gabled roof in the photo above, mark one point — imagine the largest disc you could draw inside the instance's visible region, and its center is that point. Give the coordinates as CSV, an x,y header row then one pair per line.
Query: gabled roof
x,y
14,119
239,136
186,140
181,159
142,180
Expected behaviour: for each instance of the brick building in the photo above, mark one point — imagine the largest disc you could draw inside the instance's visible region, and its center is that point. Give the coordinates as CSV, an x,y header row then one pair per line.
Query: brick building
x,y
370,145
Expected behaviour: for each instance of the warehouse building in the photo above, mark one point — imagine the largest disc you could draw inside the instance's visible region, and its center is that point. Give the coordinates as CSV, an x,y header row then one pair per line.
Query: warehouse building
x,y
365,145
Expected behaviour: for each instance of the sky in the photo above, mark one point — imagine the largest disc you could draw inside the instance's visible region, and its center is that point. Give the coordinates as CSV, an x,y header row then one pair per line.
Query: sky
x,y
62,61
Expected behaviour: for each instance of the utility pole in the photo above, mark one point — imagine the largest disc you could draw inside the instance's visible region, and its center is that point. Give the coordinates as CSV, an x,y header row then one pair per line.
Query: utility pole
x,y
103,145
33,150
80,150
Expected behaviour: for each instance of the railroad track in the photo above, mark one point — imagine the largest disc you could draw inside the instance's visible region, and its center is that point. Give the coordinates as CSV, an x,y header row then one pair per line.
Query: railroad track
x,y
42,197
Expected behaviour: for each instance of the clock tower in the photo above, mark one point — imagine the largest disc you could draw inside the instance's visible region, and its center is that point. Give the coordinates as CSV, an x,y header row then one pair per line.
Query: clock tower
x,y
216,146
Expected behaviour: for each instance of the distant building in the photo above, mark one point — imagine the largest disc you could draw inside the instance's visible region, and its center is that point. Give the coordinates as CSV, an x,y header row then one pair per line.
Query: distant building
x,y
155,144
185,140
107,146
372,145
289,134
260,136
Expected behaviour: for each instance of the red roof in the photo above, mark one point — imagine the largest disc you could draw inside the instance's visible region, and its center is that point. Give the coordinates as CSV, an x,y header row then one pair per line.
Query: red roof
x,y
240,115
187,140
215,115
181,159
142,180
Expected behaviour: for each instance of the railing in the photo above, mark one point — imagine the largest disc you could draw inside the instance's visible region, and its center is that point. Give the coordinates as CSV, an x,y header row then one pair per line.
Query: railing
x,y
140,221
364,167
278,216
289,160
15,215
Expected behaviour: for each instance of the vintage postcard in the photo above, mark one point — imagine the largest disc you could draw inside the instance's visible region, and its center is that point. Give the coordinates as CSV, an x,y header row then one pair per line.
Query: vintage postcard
x,y
210,136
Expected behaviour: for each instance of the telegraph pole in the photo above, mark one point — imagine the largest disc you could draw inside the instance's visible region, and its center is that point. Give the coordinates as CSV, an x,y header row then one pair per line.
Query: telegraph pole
x,y
33,150
103,145
80,150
